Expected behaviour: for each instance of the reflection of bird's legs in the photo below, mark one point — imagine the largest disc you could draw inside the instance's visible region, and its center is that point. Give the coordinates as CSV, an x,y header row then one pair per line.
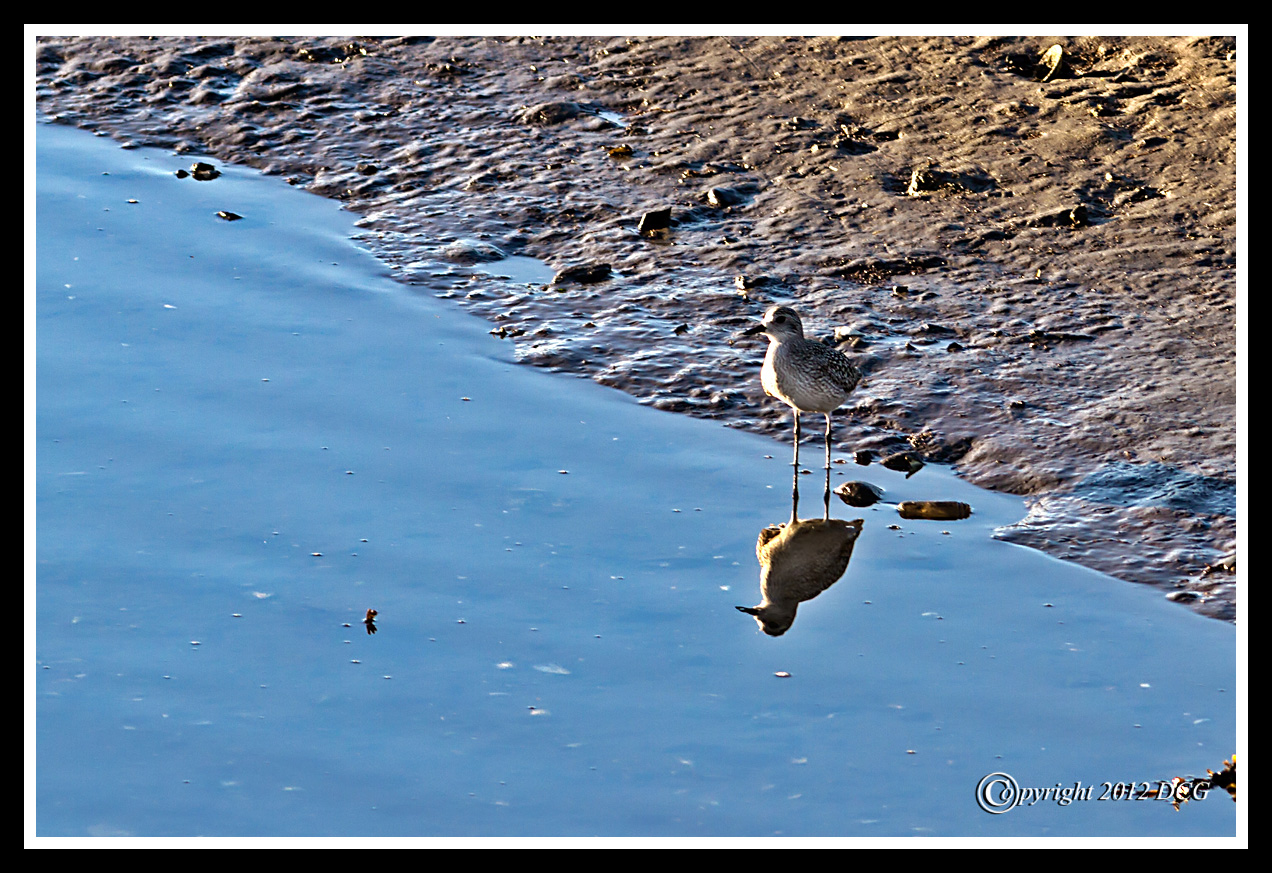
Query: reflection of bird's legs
x,y
795,483
827,500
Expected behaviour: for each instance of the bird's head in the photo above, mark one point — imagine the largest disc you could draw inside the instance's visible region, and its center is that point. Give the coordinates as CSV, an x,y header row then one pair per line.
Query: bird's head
x,y
780,323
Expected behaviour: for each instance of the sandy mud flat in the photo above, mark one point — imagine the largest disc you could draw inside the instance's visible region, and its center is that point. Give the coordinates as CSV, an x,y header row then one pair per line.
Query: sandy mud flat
x,y
1033,262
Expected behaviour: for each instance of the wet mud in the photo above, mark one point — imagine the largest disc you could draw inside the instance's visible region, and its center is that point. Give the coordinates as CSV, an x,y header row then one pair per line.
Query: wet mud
x,y
1030,253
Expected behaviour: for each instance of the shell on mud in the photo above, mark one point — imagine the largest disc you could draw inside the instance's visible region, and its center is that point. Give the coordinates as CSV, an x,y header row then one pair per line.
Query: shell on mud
x,y
1049,63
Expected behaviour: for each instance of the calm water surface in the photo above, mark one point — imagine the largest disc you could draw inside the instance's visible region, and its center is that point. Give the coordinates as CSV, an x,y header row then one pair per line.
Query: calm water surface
x,y
247,436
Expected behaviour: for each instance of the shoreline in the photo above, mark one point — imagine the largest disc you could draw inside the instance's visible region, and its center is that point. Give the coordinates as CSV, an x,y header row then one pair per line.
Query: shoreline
x,y
925,200
249,436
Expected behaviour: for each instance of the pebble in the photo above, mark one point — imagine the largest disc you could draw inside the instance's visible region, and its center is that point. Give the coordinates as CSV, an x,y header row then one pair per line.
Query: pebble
x,y
859,493
935,510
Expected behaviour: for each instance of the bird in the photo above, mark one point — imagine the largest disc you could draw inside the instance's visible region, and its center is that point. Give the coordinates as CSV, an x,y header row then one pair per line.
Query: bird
x,y
805,375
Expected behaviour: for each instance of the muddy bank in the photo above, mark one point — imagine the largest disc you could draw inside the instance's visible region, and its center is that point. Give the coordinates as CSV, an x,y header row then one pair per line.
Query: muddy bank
x,y
1039,277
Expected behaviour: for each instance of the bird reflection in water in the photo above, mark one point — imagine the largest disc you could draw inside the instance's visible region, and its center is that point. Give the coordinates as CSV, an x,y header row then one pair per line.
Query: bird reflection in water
x,y
798,561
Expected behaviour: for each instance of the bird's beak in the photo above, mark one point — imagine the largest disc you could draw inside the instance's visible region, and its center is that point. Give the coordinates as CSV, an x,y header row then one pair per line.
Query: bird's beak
x,y
749,610
750,331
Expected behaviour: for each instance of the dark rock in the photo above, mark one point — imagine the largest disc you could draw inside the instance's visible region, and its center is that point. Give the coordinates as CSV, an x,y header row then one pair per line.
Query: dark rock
x,y
582,274
550,113
204,172
658,219
859,493
721,197
924,179
904,462
469,252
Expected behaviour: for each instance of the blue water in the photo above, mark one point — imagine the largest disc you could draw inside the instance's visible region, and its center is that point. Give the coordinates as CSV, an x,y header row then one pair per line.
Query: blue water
x,y
247,436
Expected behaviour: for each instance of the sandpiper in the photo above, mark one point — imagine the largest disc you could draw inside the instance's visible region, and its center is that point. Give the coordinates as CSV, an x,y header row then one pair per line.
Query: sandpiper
x,y
805,375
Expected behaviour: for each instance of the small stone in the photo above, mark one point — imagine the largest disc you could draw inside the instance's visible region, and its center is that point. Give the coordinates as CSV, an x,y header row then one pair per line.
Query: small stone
x,y
859,493
904,462
658,219
582,274
551,113
721,197
922,180
204,172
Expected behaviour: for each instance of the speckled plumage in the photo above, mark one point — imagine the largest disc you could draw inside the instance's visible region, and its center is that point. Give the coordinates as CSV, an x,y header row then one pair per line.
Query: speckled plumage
x,y
805,375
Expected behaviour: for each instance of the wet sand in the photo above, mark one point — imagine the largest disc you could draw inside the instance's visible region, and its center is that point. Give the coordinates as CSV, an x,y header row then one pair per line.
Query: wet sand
x,y
247,436
1039,277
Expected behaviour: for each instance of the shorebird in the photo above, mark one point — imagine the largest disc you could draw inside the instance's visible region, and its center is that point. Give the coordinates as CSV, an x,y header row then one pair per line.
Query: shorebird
x,y
805,375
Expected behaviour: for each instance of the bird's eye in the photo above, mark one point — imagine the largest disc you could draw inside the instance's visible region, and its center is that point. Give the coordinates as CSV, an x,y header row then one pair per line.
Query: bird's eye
x,y
780,319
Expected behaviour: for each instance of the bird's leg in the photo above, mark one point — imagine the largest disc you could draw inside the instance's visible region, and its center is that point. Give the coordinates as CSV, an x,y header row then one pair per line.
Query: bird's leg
x,y
795,483
827,496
